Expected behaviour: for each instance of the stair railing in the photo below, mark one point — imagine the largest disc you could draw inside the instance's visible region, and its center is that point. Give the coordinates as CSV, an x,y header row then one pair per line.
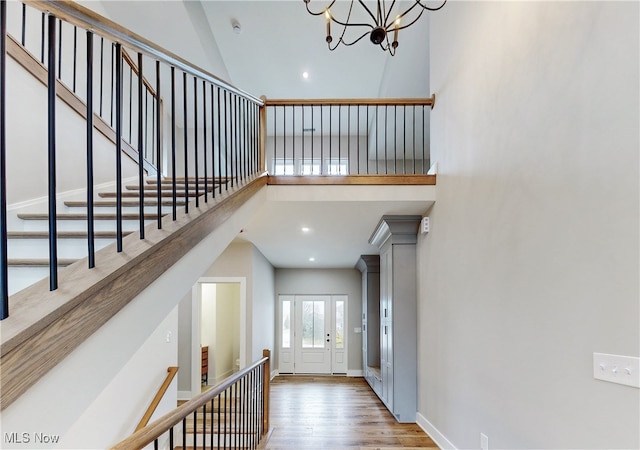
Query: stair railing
x,y
218,150
171,373
233,414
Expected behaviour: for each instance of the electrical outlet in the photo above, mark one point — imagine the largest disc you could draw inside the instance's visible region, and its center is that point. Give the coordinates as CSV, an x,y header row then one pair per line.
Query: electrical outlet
x,y
617,369
484,442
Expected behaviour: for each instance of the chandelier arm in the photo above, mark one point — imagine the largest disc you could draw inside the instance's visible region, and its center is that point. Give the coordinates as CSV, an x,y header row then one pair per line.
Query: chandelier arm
x,y
429,8
318,13
410,23
386,17
368,10
348,44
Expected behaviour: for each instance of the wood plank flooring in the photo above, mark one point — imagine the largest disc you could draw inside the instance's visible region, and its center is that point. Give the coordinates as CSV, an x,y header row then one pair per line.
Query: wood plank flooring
x,y
337,413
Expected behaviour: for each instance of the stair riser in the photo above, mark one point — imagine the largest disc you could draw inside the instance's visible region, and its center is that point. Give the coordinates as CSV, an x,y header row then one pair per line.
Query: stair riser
x,y
22,277
39,248
81,225
230,440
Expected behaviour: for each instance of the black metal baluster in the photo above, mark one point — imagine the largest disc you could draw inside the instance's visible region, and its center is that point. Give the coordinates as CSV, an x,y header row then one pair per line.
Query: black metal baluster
x,y
171,437
386,141
235,413
330,129
75,53
404,140
173,143
118,80
234,135
195,427
90,218
367,142
42,34
53,228
213,147
145,121
195,138
212,421
155,444
141,144
204,427
4,273
339,137
184,433
313,129
24,24
321,140
186,154
413,118
377,129
395,136
204,138
219,417
219,144
158,147
130,102
423,141
59,50
101,71
348,138
237,138
113,70
358,137
246,129
226,147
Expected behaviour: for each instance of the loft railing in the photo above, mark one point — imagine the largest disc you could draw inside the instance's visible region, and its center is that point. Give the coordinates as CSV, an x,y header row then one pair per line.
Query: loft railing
x,y
233,414
348,136
215,149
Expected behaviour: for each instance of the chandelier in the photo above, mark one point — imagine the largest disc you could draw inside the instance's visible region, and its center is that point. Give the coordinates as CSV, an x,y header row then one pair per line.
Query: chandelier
x,y
380,25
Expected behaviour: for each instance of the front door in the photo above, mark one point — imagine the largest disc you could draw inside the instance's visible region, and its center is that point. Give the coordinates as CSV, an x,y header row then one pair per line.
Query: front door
x,y
313,337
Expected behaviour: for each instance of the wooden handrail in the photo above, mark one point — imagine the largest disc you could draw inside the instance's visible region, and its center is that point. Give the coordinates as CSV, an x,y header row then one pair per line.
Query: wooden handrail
x,y
87,19
148,434
353,102
172,371
129,60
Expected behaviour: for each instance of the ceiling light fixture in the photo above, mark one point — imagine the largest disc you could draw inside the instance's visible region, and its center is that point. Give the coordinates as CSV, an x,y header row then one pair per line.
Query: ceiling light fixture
x,y
382,22
312,259
305,75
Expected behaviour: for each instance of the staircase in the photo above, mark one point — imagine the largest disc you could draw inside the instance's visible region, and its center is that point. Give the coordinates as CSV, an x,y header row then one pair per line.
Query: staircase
x,y
224,427
28,236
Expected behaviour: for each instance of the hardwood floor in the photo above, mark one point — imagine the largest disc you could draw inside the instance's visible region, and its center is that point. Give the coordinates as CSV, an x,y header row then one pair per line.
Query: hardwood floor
x,y
337,413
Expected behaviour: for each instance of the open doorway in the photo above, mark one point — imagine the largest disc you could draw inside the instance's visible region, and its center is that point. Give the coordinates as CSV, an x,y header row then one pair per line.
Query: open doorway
x,y
218,323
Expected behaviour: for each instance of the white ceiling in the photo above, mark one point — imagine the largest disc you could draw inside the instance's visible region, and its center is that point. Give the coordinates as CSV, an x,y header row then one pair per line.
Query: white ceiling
x,y
280,40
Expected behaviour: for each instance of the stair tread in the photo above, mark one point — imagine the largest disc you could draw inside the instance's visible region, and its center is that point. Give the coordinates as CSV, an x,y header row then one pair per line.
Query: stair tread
x,y
63,234
111,203
38,262
83,216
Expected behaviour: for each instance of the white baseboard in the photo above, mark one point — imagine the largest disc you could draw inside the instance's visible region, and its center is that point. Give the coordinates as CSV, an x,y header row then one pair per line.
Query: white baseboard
x,y
435,435
355,373
184,395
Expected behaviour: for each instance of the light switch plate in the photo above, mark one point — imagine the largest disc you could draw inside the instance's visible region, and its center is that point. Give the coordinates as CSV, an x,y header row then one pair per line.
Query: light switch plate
x,y
617,369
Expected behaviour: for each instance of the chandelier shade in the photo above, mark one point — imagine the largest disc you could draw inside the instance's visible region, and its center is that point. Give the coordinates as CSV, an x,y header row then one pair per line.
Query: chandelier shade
x,y
379,21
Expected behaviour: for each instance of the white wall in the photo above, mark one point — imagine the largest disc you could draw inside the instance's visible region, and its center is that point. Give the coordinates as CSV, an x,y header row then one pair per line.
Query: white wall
x,y
532,262
91,378
330,282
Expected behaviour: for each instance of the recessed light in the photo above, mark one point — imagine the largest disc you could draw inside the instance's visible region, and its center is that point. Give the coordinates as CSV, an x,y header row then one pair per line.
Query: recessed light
x,y
305,229
312,259
305,75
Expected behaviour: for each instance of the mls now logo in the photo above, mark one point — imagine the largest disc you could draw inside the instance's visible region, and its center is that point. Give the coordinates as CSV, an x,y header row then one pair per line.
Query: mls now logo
x,y
26,438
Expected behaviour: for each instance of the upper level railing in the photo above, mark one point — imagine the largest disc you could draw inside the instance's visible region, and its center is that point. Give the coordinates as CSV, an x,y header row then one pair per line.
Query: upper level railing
x,y
348,136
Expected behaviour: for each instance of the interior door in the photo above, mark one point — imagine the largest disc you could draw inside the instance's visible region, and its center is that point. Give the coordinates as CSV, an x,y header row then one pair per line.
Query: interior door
x,y
313,339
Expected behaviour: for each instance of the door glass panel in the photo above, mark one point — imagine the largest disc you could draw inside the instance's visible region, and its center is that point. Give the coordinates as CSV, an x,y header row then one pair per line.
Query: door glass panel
x,y
312,324
340,324
286,324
